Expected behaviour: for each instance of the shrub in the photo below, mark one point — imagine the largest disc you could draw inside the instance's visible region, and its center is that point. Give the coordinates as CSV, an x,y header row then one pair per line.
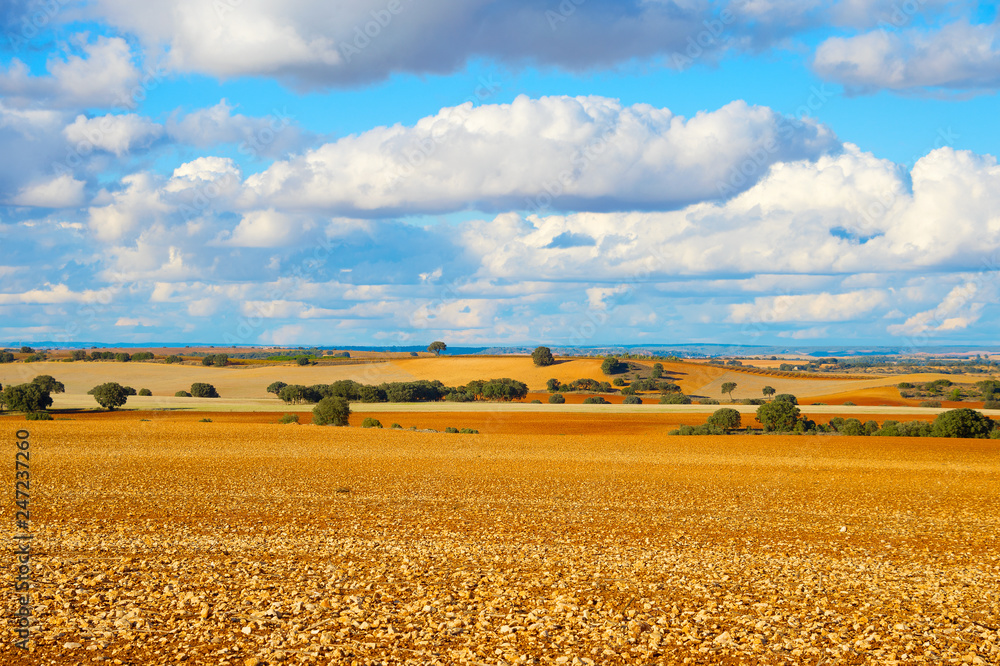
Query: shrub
x,y
786,397
779,415
451,430
173,358
289,418
535,402
752,401
991,404
698,430
302,360
552,385
930,403
142,356
332,411
708,401
675,399
145,392
6,357
557,399
469,431
396,426
369,422
367,393
204,420
618,381
628,390
632,400
657,371
849,404
123,357
962,422
851,427
904,385
595,400
202,390
725,418
182,394
612,366
110,396
542,356
38,416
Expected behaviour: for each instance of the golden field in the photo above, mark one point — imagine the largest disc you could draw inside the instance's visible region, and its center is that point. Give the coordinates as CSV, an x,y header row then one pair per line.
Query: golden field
x,y
250,382
164,542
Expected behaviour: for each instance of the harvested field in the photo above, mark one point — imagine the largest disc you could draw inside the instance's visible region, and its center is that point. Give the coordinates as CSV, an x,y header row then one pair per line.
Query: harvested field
x,y
214,543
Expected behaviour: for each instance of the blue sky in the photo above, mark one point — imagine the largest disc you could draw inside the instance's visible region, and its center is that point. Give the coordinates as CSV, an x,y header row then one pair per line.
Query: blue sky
x,y
587,172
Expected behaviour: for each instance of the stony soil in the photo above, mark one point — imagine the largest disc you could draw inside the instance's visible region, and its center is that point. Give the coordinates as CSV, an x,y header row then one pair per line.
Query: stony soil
x,y
250,544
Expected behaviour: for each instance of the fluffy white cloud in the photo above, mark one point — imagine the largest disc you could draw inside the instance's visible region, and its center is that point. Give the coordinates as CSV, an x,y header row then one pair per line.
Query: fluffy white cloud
x,y
267,228
959,309
60,192
117,134
273,135
958,56
809,307
564,152
100,74
317,42
58,294
840,214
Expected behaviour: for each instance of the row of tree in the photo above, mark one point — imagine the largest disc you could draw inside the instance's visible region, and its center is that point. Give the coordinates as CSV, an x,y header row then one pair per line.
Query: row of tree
x,y
504,389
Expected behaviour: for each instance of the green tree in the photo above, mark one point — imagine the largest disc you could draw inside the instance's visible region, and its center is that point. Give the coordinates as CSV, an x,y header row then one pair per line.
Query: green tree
x,y
275,387
79,355
674,399
370,422
6,357
110,396
182,394
963,422
557,399
202,390
123,357
725,418
786,397
145,392
303,360
657,371
332,411
542,356
768,391
553,385
778,415
26,398
49,384
27,350
632,400
729,387
173,358
612,366
437,347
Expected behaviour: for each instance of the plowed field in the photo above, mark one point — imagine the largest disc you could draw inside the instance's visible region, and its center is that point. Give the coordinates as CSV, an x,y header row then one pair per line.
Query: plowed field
x,y
238,543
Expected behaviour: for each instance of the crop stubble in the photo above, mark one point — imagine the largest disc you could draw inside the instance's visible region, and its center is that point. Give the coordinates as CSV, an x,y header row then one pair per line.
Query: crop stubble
x,y
241,543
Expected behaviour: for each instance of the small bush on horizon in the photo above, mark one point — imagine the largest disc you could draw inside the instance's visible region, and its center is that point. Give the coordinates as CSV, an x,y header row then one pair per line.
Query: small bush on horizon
x,y
370,422
449,429
557,399
145,392
632,400
289,418
595,400
182,394
675,399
